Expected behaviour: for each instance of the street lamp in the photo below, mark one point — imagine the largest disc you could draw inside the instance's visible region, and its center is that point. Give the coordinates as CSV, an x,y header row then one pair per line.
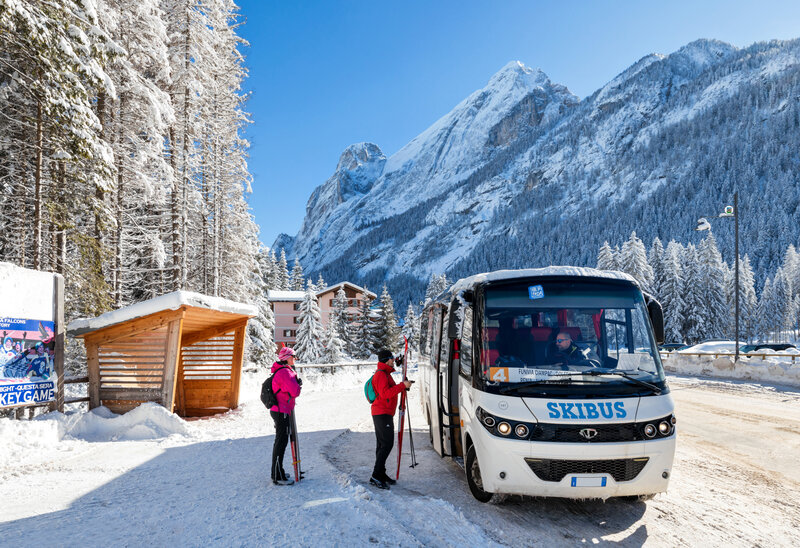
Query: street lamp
x,y
703,224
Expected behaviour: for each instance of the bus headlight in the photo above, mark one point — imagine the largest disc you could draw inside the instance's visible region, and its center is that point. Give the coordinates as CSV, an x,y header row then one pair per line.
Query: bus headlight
x,y
521,431
649,430
489,421
504,428
664,427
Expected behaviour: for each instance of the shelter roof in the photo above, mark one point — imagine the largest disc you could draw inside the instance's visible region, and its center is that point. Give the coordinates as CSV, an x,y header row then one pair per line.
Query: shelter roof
x,y
214,310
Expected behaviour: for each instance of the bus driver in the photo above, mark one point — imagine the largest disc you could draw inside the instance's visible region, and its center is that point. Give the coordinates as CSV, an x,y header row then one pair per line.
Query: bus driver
x,y
568,353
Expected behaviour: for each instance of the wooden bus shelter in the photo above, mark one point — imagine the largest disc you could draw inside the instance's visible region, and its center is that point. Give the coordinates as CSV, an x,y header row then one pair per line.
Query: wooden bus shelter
x,y
182,350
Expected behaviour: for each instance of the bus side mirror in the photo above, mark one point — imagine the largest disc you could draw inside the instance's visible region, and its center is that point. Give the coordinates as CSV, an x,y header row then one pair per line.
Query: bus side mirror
x,y
657,319
469,296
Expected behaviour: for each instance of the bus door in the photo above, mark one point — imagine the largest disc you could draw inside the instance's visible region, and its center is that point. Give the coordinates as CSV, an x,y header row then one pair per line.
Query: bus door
x,y
448,382
435,416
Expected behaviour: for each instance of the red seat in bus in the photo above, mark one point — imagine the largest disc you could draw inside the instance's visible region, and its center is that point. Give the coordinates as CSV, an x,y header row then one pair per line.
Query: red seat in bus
x,y
490,348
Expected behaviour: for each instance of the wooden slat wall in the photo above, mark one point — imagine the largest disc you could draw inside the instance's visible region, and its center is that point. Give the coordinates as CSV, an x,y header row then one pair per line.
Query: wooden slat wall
x,y
132,368
206,376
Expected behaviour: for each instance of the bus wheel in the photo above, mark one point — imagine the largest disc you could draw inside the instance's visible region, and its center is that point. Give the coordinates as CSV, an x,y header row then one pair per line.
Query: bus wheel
x,y
474,477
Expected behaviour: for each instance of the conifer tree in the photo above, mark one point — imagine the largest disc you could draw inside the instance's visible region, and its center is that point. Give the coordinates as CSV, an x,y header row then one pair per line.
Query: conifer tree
x,y
606,259
694,317
310,333
748,301
282,275
339,318
296,280
362,341
261,343
671,294
633,261
387,334
411,328
334,346
656,260
712,280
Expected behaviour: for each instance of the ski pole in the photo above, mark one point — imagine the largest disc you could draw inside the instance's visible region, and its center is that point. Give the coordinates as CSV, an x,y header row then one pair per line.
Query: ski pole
x,y
411,444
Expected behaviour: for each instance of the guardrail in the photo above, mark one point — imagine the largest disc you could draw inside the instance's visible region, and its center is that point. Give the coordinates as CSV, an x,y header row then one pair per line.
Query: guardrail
x,y
732,355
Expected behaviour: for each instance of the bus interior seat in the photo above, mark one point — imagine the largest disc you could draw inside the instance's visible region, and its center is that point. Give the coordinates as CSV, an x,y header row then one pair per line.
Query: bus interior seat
x,y
490,342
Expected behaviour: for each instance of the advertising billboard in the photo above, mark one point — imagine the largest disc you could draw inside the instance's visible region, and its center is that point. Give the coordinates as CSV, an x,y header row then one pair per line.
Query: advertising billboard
x,y
27,337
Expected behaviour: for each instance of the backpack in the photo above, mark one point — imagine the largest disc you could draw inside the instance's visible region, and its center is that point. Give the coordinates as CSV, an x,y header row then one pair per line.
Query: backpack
x,y
268,397
369,390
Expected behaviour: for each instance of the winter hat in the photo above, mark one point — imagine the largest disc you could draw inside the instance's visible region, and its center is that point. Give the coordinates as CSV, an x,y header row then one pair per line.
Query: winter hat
x,y
385,355
285,353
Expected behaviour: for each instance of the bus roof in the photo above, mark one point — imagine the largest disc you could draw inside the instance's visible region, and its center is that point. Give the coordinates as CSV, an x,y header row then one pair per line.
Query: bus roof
x,y
576,271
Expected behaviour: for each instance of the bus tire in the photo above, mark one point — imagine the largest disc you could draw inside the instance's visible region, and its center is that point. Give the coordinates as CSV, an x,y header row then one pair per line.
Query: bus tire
x,y
474,477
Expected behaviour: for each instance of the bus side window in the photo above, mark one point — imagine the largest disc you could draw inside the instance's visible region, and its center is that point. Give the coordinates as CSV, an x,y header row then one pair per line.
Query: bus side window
x,y
466,344
436,332
444,344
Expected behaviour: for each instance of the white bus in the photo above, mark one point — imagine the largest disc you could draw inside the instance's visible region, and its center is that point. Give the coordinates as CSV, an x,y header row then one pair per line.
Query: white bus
x,y
548,382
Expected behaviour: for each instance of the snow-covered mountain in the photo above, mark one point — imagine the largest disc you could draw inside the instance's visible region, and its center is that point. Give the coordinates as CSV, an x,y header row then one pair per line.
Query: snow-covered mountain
x,y
522,173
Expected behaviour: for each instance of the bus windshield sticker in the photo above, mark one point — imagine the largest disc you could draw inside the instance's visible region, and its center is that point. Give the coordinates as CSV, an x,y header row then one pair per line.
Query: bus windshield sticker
x,y
520,374
630,362
535,292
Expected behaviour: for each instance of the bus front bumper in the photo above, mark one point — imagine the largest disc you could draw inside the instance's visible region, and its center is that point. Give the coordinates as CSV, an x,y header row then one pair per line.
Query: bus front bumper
x,y
574,470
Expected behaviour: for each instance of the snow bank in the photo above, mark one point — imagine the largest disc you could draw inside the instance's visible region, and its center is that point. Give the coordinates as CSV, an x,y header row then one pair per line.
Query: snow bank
x,y
148,421
776,368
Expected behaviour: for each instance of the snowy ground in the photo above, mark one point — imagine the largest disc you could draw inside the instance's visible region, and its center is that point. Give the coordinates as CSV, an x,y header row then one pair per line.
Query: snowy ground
x,y
165,481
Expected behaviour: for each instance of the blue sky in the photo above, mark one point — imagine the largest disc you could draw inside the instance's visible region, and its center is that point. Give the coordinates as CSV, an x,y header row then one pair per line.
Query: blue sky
x,y
326,74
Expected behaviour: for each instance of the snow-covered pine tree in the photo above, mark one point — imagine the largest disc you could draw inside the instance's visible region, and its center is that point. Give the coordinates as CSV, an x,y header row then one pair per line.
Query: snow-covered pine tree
x,y
273,280
411,328
296,280
387,334
633,260
334,346
282,275
748,301
339,318
784,303
712,276
767,312
321,283
671,294
606,260
362,341
260,330
656,259
694,317
133,123
310,333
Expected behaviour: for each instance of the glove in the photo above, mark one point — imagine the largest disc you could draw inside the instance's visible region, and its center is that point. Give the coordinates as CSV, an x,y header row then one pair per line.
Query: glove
x,y
398,360
299,381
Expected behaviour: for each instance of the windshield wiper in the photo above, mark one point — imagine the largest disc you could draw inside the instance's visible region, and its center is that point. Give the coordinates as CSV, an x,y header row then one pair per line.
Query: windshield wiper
x,y
595,373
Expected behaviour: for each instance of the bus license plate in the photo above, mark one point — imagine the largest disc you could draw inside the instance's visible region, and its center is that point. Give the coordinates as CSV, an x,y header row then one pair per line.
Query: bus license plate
x,y
594,481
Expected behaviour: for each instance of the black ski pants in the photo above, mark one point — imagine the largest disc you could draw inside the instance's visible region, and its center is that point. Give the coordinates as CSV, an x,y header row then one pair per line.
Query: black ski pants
x,y
384,435
282,426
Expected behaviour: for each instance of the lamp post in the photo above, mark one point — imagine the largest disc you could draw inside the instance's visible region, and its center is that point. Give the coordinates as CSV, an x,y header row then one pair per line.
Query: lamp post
x,y
703,224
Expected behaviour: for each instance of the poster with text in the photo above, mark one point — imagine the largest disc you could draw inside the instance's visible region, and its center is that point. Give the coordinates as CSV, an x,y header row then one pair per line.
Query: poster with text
x,y
26,362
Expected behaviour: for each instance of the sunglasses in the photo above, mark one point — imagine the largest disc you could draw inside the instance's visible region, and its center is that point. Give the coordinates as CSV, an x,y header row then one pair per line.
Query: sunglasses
x,y
562,340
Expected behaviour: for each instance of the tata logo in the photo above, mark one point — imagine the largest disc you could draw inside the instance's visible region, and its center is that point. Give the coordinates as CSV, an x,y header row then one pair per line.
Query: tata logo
x,y
607,410
588,433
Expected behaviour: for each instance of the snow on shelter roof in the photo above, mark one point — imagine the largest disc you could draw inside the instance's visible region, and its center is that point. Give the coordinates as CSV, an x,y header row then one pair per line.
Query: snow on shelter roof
x,y
170,301
467,283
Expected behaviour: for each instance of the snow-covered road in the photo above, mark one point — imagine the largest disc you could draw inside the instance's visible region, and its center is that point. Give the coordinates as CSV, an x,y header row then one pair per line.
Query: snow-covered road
x,y
735,482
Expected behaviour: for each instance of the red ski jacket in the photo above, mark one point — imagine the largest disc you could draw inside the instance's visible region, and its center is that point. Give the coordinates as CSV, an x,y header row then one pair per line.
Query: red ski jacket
x,y
386,389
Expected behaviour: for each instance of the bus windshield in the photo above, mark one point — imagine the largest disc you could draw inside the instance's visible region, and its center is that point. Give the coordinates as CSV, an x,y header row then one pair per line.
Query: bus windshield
x,y
568,332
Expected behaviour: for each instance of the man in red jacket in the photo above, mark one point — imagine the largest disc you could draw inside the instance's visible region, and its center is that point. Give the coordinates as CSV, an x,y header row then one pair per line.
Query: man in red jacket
x,y
383,410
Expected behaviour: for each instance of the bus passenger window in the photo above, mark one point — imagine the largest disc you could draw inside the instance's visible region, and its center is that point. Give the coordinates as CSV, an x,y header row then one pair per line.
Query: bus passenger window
x,y
444,346
466,344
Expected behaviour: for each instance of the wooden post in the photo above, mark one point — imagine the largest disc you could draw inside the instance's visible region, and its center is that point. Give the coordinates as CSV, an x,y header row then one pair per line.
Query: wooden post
x,y
171,356
58,316
236,364
93,362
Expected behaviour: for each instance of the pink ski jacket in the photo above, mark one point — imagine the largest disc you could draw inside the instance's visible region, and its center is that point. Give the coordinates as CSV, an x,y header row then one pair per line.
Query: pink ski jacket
x,y
285,386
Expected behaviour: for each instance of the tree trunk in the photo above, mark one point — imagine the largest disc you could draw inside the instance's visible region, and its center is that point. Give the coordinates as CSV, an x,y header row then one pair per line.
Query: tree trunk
x,y
37,191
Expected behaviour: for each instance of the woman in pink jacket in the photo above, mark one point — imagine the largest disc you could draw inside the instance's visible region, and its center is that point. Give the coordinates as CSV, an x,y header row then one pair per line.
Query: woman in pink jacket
x,y
286,387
